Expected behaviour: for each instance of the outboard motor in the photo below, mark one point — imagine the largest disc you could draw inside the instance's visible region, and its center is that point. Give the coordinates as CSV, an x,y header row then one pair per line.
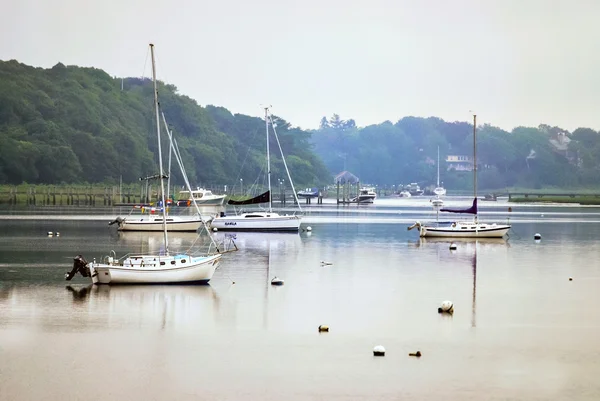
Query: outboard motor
x,y
80,265
118,221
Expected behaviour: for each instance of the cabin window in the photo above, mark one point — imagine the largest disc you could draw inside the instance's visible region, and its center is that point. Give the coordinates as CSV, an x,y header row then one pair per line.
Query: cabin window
x,y
172,262
463,228
162,263
182,260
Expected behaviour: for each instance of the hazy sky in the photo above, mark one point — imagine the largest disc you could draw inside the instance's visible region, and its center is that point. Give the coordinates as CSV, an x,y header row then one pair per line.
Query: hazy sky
x,y
515,62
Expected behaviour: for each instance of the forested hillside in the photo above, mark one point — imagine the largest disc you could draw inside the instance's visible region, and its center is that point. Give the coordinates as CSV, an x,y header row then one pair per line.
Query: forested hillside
x,y
69,124
406,151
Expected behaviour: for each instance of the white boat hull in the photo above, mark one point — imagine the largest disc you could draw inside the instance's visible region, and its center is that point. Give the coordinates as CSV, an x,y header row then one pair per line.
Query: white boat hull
x,y
156,224
261,221
462,230
365,199
156,270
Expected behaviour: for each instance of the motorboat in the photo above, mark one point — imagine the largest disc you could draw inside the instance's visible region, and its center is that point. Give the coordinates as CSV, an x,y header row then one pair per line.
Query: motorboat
x,y
202,196
365,195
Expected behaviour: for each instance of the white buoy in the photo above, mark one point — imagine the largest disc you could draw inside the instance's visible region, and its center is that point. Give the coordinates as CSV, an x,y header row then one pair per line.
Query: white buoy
x,y
276,281
50,233
537,236
453,247
215,229
309,228
378,350
446,307
57,234
323,328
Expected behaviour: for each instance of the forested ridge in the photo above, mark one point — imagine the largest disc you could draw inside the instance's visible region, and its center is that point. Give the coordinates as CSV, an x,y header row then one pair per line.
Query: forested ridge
x,y
406,151
69,124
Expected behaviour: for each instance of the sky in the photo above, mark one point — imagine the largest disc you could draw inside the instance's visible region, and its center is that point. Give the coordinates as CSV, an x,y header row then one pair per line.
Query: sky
x,y
512,62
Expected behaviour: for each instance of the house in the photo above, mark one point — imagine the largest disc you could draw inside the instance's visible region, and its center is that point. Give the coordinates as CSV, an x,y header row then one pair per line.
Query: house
x,y
459,163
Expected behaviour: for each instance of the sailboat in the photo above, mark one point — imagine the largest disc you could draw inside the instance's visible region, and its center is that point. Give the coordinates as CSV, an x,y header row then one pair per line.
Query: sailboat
x,y
153,221
260,220
439,190
163,267
465,229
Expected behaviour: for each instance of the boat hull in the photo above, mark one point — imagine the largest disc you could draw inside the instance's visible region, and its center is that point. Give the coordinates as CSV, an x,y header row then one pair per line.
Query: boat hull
x,y
257,222
490,231
156,270
181,225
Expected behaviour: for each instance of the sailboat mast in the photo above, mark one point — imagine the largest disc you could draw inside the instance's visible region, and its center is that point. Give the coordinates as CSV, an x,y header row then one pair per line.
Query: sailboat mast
x,y
268,159
160,164
438,166
475,160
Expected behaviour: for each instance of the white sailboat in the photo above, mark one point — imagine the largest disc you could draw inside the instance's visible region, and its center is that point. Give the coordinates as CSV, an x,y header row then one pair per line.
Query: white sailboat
x,y
260,220
439,190
465,229
163,267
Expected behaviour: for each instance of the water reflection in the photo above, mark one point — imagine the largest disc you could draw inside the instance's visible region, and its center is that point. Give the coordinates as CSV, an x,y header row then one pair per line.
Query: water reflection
x,y
465,249
86,307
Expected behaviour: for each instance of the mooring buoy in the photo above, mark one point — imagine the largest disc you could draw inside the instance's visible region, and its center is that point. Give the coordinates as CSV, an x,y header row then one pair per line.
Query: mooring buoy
x,y
276,281
537,236
215,229
323,328
309,228
378,350
50,233
446,307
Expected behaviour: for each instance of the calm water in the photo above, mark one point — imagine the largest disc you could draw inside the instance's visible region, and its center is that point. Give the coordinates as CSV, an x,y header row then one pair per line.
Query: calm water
x,y
521,329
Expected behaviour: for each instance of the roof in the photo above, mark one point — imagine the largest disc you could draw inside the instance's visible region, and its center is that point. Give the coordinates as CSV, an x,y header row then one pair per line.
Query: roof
x,y
346,177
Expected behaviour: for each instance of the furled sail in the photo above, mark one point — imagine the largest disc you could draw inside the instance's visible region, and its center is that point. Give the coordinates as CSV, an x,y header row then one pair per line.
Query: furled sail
x,y
471,210
262,198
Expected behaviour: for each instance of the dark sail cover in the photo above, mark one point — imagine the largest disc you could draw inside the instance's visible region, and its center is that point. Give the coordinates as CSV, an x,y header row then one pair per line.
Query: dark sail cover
x,y
471,210
262,198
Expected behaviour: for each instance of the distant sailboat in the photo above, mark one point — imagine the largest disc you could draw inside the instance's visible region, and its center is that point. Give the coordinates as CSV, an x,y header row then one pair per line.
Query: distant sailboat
x,y
438,191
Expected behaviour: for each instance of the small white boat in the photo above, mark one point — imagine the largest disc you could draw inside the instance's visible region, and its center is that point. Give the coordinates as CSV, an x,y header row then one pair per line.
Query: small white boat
x,y
257,221
437,202
155,223
405,194
201,196
149,269
462,229
366,195
439,190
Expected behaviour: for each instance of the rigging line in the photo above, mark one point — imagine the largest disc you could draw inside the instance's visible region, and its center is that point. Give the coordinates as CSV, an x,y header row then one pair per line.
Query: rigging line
x,y
284,163
173,145
245,157
145,64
